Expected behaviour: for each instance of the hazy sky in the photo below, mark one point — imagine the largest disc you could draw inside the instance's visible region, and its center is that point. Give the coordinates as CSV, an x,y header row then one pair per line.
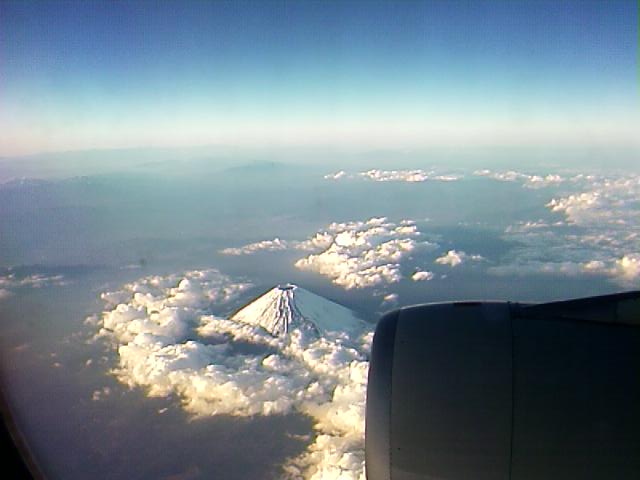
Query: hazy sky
x,y
80,75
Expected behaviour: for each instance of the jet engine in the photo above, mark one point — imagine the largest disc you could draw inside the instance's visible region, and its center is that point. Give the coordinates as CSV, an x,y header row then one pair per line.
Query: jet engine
x,y
498,390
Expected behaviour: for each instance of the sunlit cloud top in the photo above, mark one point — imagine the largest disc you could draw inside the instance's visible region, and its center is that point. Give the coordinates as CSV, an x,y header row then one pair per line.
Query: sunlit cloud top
x,y
76,75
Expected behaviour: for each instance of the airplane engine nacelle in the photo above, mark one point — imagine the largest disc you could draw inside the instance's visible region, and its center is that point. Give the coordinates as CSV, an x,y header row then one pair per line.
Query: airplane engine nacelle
x,y
484,391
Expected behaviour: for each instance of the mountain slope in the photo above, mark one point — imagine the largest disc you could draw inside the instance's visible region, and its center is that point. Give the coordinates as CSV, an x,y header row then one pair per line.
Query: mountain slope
x,y
287,307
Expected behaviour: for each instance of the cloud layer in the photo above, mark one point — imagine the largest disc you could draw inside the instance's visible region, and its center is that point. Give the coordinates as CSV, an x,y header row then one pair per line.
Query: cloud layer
x,y
365,254
361,254
595,232
591,229
528,181
12,281
411,176
168,342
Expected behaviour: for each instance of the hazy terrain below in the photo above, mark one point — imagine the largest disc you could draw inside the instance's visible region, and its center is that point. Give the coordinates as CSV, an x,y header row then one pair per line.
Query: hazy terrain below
x,y
73,249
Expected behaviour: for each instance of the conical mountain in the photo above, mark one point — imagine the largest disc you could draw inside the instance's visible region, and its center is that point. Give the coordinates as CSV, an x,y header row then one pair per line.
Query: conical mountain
x,y
287,307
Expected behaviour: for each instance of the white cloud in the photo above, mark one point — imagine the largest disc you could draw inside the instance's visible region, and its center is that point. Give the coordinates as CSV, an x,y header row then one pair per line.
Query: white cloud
x,y
596,232
11,281
454,258
422,276
627,268
510,176
410,176
268,245
396,175
319,241
529,225
577,208
528,181
447,178
355,254
336,176
391,298
536,181
568,268
35,280
365,254
169,343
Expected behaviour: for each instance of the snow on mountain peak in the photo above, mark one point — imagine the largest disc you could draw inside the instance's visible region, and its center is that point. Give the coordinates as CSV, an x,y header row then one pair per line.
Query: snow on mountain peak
x,y
287,307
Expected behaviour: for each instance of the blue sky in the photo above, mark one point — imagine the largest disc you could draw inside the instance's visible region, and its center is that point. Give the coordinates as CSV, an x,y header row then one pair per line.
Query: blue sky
x,y
80,75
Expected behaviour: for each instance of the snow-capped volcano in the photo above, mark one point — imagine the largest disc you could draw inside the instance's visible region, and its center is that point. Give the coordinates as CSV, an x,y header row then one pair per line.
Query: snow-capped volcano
x,y
288,306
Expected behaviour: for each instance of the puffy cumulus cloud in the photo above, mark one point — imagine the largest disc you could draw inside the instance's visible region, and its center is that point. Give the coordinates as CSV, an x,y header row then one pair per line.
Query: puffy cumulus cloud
x,y
268,245
577,208
528,181
603,201
365,253
411,176
336,176
536,181
420,276
168,342
315,243
355,254
12,281
454,258
627,268
319,241
390,299
595,232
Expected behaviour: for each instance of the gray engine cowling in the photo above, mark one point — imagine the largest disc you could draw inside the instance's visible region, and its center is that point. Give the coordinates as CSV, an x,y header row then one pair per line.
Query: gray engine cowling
x,y
484,391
